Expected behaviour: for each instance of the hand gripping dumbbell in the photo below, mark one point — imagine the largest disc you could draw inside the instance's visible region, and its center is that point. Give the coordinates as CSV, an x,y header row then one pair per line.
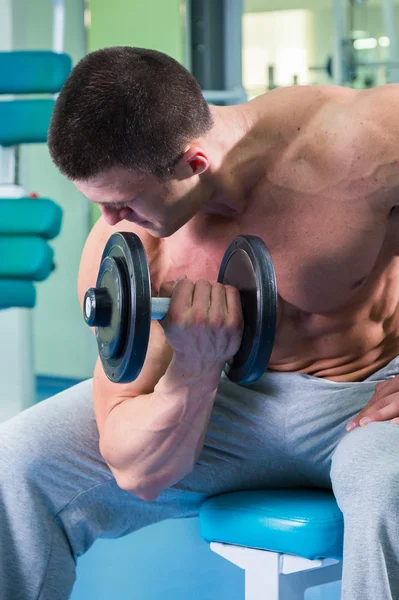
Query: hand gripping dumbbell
x,y
120,307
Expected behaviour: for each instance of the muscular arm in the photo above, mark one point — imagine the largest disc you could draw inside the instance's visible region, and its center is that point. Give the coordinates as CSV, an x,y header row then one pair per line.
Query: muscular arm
x,y
151,430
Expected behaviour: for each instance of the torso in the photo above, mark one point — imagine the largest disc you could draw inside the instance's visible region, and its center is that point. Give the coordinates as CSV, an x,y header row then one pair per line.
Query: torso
x,y
336,256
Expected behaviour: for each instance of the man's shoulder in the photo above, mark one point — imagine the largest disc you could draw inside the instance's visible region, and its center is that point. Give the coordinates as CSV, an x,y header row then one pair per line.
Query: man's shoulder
x,y
101,232
95,244
358,138
305,116
304,97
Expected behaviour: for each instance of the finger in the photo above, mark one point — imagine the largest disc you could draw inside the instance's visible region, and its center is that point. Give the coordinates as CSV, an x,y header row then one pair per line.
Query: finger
x,y
371,408
388,386
379,400
353,424
234,307
363,418
182,300
382,390
368,410
180,278
167,287
218,306
383,413
395,421
201,301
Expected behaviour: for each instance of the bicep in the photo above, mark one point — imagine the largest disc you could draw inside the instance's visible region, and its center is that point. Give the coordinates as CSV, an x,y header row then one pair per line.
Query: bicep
x,y
91,257
106,394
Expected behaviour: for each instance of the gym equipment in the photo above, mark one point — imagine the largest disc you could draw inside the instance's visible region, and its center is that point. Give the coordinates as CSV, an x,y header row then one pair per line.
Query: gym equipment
x,y
286,541
30,216
213,49
343,65
120,307
33,72
28,258
350,64
27,224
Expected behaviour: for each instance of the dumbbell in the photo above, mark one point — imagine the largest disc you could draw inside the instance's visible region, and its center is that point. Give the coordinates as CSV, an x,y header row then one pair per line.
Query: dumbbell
x,y
120,307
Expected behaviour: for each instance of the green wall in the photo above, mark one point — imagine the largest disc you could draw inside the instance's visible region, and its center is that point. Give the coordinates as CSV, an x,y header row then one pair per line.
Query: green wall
x,y
156,24
153,24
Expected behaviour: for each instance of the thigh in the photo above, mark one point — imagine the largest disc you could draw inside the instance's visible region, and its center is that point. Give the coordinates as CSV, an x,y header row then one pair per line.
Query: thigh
x,y
316,423
55,446
53,478
281,431
245,445
365,468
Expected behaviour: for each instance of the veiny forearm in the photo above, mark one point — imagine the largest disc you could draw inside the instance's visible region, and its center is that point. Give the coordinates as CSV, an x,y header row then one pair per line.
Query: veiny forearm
x,y
152,441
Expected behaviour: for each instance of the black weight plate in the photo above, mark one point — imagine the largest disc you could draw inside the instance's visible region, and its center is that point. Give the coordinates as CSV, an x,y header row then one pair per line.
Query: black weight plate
x,y
247,265
123,345
111,276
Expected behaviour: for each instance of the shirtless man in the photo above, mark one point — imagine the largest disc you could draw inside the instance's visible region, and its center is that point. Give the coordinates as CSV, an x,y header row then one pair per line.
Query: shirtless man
x,y
314,172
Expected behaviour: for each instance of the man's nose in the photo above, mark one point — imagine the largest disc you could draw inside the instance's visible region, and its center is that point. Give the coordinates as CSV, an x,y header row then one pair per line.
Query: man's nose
x,y
113,216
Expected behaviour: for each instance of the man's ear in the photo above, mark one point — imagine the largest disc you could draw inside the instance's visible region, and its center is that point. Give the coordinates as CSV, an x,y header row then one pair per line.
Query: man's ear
x,y
193,162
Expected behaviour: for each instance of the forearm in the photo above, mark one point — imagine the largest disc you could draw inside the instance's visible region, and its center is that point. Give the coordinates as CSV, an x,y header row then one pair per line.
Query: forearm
x,y
152,441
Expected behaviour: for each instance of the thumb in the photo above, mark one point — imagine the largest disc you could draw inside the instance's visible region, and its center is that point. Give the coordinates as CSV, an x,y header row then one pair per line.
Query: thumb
x,y
167,287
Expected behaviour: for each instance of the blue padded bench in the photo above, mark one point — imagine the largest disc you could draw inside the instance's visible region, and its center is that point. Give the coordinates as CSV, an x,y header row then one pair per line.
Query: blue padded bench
x,y
285,540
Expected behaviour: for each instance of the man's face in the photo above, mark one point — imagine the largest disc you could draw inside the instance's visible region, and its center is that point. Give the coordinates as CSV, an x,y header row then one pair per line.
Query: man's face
x,y
161,207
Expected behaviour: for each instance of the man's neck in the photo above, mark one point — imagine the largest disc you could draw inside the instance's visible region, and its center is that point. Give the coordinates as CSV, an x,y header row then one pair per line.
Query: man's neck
x,y
231,125
227,191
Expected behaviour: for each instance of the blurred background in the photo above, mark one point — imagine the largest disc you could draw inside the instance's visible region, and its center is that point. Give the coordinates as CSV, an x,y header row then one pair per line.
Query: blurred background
x,y
237,49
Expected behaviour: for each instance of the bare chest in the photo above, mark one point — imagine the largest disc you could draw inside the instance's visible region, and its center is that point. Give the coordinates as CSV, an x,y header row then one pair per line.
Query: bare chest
x,y
324,250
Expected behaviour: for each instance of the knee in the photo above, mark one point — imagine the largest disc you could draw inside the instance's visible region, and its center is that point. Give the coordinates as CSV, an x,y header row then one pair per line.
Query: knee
x,y
365,470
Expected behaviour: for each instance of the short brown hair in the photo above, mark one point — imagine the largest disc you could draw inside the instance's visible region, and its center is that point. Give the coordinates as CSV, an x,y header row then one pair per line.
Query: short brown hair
x,y
125,107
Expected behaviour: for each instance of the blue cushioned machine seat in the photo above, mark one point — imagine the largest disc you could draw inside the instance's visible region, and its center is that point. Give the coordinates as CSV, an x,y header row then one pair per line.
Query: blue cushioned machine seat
x,y
306,523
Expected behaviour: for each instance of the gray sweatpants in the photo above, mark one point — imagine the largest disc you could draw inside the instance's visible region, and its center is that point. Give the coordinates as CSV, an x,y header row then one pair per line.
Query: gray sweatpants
x,y
287,430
